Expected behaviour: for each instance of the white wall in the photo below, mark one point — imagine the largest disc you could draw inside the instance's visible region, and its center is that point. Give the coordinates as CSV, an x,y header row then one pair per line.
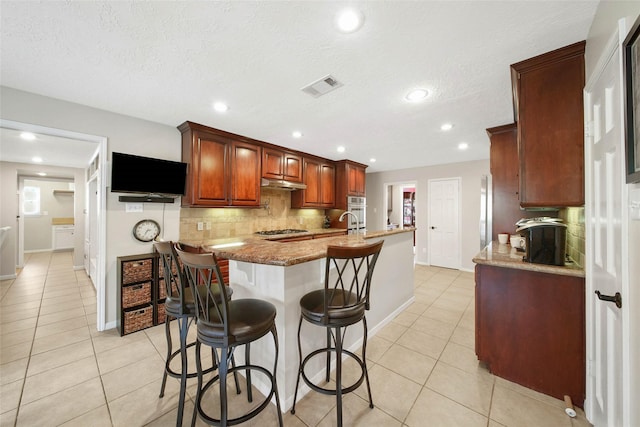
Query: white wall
x,y
470,174
604,25
125,134
38,234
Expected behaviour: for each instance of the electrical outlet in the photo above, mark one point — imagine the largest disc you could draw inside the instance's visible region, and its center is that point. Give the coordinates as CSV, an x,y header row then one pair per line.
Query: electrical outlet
x,y
133,207
208,225
200,226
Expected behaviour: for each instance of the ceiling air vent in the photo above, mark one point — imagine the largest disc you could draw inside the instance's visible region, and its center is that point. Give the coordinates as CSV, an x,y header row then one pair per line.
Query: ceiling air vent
x,y
322,86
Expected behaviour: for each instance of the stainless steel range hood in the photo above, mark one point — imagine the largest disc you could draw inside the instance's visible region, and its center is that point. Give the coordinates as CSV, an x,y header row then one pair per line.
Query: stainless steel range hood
x,y
282,184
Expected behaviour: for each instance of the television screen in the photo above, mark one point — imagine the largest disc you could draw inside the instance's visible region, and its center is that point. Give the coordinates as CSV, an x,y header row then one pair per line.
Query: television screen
x,y
137,174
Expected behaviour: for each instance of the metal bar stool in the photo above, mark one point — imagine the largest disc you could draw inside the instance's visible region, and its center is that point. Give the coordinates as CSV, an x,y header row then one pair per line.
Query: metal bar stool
x,y
224,325
179,304
341,303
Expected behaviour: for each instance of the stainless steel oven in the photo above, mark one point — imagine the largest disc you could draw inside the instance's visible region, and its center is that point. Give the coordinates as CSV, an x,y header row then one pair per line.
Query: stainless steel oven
x,y
357,205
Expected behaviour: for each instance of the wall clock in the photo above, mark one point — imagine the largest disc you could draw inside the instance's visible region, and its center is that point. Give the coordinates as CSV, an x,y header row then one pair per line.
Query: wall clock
x,y
146,230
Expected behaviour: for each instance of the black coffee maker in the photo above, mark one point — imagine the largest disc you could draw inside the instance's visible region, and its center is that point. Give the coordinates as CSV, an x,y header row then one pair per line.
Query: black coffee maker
x,y
546,241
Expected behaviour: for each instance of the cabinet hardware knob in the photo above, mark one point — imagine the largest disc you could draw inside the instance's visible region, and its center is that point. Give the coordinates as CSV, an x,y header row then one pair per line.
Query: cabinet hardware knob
x,y
617,298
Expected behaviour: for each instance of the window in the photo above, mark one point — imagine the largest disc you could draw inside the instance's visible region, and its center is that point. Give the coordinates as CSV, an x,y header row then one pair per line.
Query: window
x,y
31,200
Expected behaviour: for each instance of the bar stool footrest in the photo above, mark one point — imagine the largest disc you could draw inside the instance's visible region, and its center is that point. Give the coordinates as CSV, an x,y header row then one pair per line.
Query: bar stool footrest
x,y
333,392
247,416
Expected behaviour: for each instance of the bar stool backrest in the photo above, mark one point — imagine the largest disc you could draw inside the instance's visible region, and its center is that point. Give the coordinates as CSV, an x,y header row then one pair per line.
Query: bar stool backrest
x,y
205,279
172,273
353,272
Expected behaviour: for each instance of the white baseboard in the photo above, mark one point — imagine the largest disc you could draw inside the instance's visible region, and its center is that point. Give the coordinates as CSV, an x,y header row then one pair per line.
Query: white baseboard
x,y
110,325
35,251
78,267
8,277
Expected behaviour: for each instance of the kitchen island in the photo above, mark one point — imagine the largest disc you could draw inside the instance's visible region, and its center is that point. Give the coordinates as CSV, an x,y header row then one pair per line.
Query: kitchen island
x,y
282,273
530,322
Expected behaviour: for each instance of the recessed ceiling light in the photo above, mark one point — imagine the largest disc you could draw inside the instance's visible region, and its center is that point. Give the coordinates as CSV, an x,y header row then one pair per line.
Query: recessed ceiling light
x,y
416,95
36,159
446,127
28,136
372,160
220,107
341,149
463,146
42,173
297,134
349,20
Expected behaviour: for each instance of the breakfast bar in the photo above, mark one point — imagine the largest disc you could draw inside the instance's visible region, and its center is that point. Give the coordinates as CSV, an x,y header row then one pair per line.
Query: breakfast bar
x,y
282,272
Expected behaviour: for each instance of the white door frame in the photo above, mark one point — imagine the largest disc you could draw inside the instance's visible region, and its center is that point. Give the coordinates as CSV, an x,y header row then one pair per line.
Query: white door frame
x,y
102,202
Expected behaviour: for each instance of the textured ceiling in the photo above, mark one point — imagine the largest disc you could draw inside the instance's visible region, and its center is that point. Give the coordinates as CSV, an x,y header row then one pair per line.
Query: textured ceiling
x,y
169,61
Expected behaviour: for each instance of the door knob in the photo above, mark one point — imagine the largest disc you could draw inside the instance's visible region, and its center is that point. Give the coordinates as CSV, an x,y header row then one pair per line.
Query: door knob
x,y
617,298
433,228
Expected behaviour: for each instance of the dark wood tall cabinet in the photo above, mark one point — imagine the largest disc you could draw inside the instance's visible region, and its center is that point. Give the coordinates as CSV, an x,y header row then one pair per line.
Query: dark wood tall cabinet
x,y
504,167
548,106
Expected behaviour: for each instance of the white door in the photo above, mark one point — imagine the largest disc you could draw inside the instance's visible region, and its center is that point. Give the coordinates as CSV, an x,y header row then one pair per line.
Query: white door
x,y
604,154
444,223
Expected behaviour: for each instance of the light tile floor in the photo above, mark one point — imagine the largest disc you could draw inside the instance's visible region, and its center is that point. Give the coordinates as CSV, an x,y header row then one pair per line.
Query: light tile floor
x,y
57,369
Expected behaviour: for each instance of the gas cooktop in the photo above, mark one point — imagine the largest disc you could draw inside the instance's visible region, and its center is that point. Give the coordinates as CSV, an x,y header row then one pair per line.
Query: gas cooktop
x,y
285,231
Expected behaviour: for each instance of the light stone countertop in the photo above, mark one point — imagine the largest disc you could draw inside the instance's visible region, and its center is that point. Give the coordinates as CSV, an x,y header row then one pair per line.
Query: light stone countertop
x,y
267,249
503,255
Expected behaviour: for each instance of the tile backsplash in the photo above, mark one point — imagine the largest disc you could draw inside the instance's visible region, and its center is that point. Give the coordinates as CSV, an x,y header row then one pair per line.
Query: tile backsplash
x,y
275,213
574,218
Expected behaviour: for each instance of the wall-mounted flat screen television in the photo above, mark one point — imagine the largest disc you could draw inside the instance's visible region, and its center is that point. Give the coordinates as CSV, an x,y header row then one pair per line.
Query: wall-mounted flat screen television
x,y
146,175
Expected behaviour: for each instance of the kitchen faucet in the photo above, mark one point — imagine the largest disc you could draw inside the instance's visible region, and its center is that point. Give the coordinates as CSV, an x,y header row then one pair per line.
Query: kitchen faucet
x,y
345,213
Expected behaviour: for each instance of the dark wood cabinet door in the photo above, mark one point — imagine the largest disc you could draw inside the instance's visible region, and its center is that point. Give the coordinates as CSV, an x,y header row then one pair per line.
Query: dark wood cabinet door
x,y
272,163
327,185
312,194
549,113
355,180
245,174
292,167
209,177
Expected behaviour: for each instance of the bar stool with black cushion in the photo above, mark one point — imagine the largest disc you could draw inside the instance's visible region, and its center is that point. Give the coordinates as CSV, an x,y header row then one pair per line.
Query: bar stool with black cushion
x,y
179,304
224,325
341,303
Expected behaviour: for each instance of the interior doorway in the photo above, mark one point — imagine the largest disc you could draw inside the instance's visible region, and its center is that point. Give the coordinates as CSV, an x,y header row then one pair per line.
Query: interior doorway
x,y
93,168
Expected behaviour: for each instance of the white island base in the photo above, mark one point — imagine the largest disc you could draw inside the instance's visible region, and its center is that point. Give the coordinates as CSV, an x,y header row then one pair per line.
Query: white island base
x,y
391,292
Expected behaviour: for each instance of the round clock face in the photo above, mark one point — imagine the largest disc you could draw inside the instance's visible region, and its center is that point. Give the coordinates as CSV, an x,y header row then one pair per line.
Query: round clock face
x,y
146,230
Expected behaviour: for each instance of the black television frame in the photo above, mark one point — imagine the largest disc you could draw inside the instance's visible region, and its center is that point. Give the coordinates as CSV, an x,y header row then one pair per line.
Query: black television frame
x,y
131,174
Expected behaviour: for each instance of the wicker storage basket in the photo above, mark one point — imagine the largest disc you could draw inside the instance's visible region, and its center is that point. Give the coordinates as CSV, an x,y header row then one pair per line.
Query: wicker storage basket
x,y
136,295
137,271
136,320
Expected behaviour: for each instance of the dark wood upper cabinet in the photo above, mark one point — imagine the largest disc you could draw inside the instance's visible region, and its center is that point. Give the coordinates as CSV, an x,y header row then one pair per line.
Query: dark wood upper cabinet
x,y
222,171
278,164
245,174
350,181
320,178
548,105
504,168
